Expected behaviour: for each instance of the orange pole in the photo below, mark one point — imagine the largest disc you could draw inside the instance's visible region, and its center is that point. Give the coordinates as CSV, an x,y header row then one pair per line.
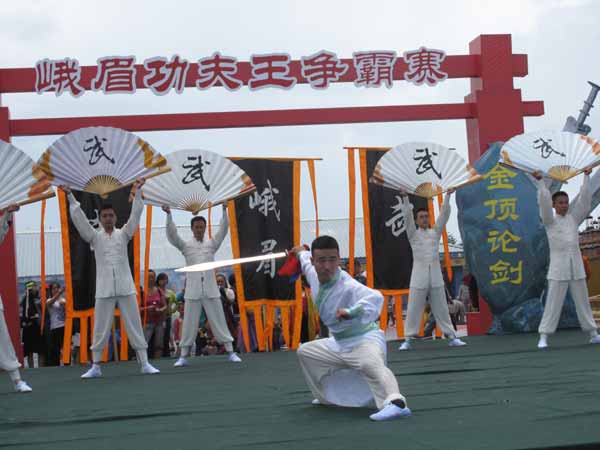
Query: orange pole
x,y
43,265
352,206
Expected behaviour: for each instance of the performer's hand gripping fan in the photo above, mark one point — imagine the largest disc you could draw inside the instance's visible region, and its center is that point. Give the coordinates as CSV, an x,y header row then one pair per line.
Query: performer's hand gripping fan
x,y
22,183
559,155
198,180
291,268
423,168
100,160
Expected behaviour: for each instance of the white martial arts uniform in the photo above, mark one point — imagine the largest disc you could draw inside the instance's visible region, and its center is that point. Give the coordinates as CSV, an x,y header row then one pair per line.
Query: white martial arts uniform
x,y
8,358
348,368
426,278
201,290
114,283
566,271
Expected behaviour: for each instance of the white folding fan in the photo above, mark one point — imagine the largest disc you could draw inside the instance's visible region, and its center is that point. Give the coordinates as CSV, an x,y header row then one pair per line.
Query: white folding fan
x,y
556,154
425,169
100,160
21,182
198,179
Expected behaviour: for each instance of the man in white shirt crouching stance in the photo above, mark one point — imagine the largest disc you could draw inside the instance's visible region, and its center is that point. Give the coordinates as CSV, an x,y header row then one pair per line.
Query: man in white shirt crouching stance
x,y
566,271
348,368
114,283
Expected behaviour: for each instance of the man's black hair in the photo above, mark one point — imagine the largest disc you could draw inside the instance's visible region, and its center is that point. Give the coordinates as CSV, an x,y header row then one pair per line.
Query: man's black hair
x,y
324,243
107,206
559,194
196,219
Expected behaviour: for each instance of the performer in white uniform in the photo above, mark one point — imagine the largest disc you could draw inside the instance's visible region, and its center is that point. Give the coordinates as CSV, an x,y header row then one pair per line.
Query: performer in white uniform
x,y
8,359
114,283
201,290
566,270
348,368
426,280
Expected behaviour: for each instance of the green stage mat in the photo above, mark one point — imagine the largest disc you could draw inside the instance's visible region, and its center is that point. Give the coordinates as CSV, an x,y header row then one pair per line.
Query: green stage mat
x,y
496,393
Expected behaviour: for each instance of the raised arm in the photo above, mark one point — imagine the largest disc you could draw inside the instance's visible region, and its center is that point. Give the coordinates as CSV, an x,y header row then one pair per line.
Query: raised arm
x,y
172,235
582,204
368,306
407,210
136,212
80,220
544,201
223,228
308,269
442,220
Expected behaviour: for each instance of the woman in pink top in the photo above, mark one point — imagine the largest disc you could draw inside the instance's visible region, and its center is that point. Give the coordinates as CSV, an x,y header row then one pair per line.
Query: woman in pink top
x,y
154,310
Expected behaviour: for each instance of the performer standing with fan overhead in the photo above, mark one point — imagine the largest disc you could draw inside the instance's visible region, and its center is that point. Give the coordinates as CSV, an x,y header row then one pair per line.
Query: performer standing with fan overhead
x,y
566,271
201,290
114,283
8,359
426,280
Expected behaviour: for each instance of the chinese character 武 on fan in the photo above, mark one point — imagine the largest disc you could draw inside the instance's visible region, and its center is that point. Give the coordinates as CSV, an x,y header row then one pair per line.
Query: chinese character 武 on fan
x,y
425,169
198,179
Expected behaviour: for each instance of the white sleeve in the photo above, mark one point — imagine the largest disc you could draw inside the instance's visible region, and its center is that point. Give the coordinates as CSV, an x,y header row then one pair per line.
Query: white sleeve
x,y
545,203
223,228
582,204
172,235
309,270
442,220
134,217
407,209
369,304
80,220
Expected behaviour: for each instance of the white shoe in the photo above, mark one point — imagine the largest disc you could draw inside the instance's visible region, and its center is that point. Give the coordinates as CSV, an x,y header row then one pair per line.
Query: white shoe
x,y
181,362
149,369
456,343
595,339
233,357
391,412
543,342
21,386
316,402
94,372
405,346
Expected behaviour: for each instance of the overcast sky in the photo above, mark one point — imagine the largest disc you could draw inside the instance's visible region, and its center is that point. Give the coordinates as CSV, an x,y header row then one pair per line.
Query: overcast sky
x,y
560,37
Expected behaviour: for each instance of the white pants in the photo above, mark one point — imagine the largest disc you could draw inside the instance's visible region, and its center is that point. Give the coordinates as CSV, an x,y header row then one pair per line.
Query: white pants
x,y
350,378
104,312
439,308
557,290
215,316
8,359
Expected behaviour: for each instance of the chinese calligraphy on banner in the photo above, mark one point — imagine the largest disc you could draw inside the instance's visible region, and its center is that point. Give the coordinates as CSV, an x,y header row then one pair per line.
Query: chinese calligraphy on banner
x,y
265,224
118,74
391,252
506,247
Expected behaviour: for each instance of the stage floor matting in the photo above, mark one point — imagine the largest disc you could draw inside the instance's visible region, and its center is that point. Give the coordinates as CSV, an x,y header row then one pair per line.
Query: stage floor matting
x,y
497,393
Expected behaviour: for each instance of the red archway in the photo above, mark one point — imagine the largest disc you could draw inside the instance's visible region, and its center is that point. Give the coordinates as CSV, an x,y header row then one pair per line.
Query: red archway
x,y
494,111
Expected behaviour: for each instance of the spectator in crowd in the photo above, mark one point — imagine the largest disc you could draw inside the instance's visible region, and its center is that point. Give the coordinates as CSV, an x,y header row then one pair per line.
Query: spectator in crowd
x,y
359,274
228,302
56,310
153,310
162,280
31,313
177,326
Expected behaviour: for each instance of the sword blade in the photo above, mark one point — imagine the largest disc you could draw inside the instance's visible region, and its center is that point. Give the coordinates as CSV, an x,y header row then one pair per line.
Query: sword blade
x,y
229,262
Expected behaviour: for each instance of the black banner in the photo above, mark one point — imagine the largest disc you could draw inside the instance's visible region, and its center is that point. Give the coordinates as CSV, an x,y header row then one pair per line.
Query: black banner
x,y
83,263
391,253
265,224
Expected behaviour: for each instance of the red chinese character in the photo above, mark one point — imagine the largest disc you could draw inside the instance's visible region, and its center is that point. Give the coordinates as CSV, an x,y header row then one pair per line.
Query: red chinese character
x,y
374,68
321,68
163,76
115,74
218,70
424,66
271,70
58,76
